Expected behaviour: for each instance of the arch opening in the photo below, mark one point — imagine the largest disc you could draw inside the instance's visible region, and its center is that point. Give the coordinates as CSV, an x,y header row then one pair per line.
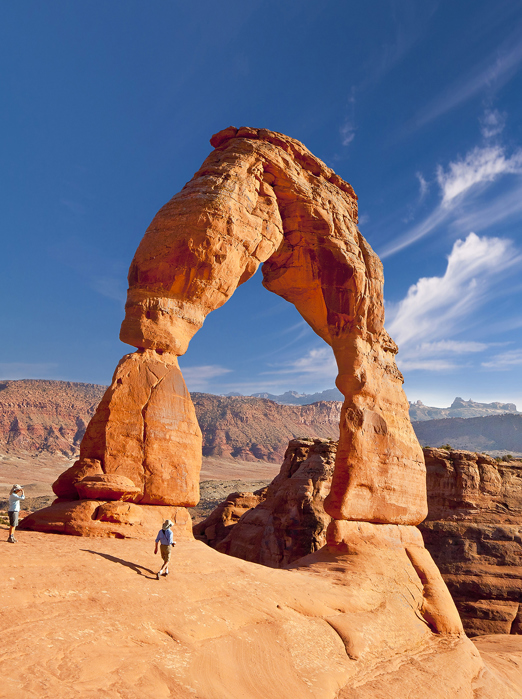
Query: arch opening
x,y
259,199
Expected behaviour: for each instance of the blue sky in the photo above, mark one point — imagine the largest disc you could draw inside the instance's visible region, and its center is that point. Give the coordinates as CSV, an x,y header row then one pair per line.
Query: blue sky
x,y
107,111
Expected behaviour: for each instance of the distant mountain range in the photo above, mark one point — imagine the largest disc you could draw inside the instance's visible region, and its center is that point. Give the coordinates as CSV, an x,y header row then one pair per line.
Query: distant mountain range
x,y
418,411
459,408
43,416
294,398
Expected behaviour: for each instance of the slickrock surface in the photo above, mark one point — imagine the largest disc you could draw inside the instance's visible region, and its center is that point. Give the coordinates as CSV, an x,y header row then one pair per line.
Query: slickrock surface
x,y
474,532
86,618
286,520
256,428
473,529
45,416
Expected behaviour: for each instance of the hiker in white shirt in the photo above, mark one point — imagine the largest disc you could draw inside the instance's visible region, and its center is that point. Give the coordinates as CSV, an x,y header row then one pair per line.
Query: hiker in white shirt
x,y
16,494
165,539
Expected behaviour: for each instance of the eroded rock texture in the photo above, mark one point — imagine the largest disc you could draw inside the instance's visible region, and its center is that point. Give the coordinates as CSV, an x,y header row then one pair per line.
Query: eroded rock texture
x,y
260,197
474,532
284,521
473,529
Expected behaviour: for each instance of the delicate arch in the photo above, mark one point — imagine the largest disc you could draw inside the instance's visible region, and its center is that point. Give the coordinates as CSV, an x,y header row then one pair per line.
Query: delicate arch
x,y
259,198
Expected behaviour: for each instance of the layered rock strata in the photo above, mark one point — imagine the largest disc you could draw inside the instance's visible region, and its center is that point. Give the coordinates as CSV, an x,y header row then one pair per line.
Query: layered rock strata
x,y
473,529
474,532
284,521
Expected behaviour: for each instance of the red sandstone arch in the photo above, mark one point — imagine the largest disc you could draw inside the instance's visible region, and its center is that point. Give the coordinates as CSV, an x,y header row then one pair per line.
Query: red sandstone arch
x,y
259,198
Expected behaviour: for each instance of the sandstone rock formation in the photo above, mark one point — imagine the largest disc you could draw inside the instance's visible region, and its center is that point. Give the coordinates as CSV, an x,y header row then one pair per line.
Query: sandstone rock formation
x,y
286,520
473,531
372,594
144,431
260,197
347,624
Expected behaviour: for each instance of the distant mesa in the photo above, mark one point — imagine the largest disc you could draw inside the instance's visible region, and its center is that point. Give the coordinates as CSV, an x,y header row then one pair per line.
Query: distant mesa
x,y
459,408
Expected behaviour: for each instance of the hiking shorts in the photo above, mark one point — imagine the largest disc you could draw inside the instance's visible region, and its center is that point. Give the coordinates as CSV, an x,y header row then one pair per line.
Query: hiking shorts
x,y
165,552
13,519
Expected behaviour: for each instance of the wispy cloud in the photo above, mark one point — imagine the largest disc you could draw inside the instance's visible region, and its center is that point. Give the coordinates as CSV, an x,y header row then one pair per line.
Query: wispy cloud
x,y
478,166
423,185
427,365
436,308
452,347
504,360
492,123
504,207
199,378
347,132
21,370
460,183
317,364
490,75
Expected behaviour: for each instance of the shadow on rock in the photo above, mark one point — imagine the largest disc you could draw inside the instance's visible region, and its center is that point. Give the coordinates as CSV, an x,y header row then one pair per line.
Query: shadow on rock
x,y
140,570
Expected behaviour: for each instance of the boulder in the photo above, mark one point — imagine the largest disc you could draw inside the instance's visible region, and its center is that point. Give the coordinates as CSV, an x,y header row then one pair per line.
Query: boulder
x,y
64,485
106,487
290,522
122,520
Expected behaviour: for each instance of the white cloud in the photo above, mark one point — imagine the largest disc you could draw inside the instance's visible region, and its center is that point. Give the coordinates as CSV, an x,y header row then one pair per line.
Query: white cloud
x,y
452,347
458,182
423,185
480,165
426,365
492,123
504,207
317,364
198,378
504,360
347,132
494,71
434,306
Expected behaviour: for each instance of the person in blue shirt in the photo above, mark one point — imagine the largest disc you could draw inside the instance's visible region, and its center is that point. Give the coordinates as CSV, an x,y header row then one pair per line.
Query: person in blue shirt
x,y
16,494
165,539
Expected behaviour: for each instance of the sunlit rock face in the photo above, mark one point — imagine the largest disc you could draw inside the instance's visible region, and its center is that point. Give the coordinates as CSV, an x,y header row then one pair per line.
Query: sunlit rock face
x,y
260,197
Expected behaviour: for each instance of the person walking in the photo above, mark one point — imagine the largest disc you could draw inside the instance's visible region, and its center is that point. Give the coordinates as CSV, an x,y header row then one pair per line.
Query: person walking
x,y
16,494
165,540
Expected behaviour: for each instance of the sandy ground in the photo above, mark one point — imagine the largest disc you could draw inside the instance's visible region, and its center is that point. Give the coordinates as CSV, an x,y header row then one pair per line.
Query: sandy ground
x,y
37,472
87,618
219,477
